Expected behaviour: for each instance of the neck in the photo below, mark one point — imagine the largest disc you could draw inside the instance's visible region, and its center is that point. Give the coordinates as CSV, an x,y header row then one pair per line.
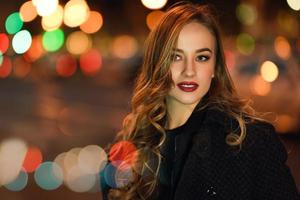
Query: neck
x,y
178,113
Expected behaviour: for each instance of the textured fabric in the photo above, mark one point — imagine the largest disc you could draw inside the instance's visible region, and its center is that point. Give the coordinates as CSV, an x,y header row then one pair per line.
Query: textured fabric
x,y
206,168
214,170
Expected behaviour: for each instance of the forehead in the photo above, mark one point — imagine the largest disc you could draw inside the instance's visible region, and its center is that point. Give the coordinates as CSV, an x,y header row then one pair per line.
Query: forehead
x,y
194,36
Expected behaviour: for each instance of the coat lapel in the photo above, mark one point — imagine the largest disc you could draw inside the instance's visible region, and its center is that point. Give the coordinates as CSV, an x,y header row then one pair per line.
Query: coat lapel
x,y
183,142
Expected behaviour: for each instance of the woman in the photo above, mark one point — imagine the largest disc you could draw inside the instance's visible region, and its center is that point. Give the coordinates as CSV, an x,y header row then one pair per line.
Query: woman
x,y
189,136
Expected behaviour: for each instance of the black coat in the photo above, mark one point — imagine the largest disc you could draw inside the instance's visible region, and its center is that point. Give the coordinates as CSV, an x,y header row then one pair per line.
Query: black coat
x,y
207,168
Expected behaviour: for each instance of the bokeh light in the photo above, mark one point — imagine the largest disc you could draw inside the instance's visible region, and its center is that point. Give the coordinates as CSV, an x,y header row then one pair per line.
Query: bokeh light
x,y
76,13
13,23
93,23
5,67
245,43
109,175
246,13
282,47
269,71
48,176
36,49
66,65
21,68
92,159
285,123
28,11
12,154
153,18
123,151
288,24
78,42
154,4
4,43
53,40
80,181
53,21
90,62
19,183
45,7
123,176
124,46
294,4
21,41
71,158
259,86
32,159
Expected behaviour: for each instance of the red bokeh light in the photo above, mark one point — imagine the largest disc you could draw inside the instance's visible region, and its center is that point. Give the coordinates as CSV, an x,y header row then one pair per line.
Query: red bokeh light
x,y
4,43
123,153
5,67
91,62
66,65
32,159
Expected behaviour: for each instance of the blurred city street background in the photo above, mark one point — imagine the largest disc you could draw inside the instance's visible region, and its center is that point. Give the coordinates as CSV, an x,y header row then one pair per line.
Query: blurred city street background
x,y
66,77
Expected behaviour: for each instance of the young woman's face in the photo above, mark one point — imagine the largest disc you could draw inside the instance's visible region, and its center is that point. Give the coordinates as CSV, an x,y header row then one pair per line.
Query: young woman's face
x,y
193,65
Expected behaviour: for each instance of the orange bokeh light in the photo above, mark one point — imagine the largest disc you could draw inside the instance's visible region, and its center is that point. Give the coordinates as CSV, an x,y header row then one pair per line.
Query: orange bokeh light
x,y
28,11
36,49
90,62
153,18
93,23
66,65
32,159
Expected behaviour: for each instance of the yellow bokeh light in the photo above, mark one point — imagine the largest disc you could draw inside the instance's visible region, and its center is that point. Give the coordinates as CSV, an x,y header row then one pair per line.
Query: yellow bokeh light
x,y
76,13
282,47
78,42
124,46
269,71
28,11
53,21
45,7
294,4
93,23
154,4
153,18
259,86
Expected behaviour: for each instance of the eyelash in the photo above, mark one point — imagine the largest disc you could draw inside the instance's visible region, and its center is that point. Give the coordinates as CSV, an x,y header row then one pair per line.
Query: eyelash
x,y
201,58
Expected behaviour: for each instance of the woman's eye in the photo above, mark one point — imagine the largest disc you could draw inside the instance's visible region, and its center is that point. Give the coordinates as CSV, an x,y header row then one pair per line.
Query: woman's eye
x,y
176,57
202,58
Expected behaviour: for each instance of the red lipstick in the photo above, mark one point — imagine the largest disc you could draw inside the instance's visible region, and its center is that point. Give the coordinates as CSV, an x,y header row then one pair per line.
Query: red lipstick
x,y
187,86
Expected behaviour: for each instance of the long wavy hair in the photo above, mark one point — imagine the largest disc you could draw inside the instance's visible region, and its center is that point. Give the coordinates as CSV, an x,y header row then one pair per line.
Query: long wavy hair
x,y
144,126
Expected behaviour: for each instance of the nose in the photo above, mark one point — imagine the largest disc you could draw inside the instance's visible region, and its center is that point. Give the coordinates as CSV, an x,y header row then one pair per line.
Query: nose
x,y
189,68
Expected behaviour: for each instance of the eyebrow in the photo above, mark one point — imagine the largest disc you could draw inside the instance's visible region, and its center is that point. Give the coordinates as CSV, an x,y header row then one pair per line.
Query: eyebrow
x,y
197,51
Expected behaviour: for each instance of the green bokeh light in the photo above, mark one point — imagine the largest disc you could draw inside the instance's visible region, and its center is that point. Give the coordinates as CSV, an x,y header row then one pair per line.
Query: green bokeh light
x,y
246,14
13,23
21,41
53,40
245,43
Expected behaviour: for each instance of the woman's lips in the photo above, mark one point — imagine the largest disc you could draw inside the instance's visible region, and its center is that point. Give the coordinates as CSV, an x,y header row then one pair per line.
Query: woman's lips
x,y
187,86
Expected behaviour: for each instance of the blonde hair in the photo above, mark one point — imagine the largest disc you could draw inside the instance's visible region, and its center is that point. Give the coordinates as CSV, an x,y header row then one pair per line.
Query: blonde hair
x,y
144,126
